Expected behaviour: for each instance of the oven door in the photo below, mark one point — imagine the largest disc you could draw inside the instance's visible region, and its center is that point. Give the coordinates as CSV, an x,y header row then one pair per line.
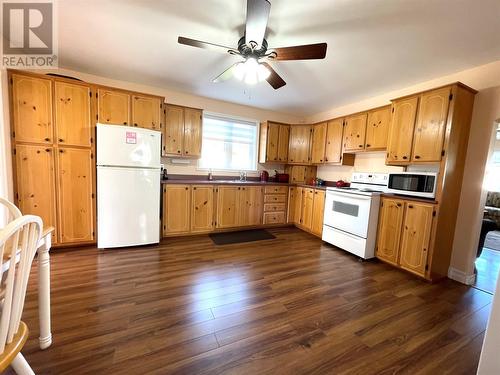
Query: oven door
x,y
348,212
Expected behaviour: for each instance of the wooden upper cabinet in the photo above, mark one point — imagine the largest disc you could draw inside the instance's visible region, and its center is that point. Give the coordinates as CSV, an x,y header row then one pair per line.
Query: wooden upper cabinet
x,y
401,129
284,136
113,107
431,125
354,132
333,146
318,211
32,109
35,183
228,203
75,210
193,119
389,230
271,142
307,208
146,112
174,130
251,205
202,208
415,238
72,114
299,146
318,143
176,209
377,129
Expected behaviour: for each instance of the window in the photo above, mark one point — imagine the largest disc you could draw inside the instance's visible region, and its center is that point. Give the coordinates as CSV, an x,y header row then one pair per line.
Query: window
x,y
228,143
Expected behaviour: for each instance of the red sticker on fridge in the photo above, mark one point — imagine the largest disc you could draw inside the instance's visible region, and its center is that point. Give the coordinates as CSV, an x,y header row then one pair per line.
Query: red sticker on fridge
x,y
131,137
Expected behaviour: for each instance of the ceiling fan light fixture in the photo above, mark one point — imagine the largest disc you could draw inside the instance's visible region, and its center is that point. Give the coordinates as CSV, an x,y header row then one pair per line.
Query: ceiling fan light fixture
x,y
251,71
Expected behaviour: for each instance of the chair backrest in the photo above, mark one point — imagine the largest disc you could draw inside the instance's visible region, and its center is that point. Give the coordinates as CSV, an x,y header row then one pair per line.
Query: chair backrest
x,y
12,210
24,234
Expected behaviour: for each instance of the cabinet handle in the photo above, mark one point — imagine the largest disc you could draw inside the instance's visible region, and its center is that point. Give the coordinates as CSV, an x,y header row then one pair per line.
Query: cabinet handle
x,y
186,188
360,146
194,188
135,124
178,151
239,188
61,140
398,204
405,157
187,152
410,206
326,159
124,122
368,145
47,139
417,157
47,150
61,151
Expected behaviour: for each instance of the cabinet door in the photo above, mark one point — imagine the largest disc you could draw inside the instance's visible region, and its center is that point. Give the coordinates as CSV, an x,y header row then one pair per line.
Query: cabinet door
x,y
228,203
297,211
251,205
272,142
300,140
401,129
333,147
113,107
32,109
284,136
192,132
389,230
174,130
307,208
202,209
72,108
318,210
318,143
75,209
354,132
176,209
377,128
292,196
35,183
146,112
431,125
415,237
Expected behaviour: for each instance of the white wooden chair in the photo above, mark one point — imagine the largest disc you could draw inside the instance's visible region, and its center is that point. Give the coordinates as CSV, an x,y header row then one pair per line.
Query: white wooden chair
x,y
13,211
24,233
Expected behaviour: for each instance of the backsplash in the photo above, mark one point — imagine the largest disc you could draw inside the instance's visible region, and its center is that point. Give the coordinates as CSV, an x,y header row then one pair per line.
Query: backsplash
x,y
364,162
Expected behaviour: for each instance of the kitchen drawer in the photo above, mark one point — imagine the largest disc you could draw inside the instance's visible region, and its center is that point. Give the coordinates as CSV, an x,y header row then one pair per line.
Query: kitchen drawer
x,y
274,218
273,207
277,198
276,190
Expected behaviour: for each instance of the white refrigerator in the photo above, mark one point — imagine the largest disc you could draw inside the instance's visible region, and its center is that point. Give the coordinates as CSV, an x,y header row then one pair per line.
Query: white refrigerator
x,y
128,186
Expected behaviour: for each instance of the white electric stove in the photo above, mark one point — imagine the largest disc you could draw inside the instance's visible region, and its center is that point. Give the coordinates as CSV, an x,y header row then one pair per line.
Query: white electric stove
x,y
351,214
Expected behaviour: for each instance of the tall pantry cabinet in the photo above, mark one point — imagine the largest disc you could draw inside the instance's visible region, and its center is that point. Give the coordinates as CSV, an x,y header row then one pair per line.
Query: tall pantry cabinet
x,y
53,154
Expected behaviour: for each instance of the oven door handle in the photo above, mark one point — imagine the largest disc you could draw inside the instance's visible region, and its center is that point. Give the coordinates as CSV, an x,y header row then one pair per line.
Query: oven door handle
x,y
348,195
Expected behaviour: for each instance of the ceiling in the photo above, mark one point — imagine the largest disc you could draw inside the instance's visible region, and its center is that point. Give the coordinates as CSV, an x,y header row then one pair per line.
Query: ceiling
x,y
373,46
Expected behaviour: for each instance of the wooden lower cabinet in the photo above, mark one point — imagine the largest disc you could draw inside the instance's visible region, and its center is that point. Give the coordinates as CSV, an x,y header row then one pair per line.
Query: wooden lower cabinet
x,y
250,210
202,208
404,234
389,230
75,208
415,237
297,211
176,209
318,210
35,183
228,206
306,217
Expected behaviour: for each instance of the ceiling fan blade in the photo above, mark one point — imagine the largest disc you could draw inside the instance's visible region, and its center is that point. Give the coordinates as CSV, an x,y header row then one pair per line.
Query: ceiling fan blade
x,y
204,45
225,75
274,78
305,52
257,16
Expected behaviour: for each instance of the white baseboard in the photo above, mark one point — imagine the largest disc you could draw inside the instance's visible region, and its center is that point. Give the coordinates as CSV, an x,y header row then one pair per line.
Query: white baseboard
x,y
461,276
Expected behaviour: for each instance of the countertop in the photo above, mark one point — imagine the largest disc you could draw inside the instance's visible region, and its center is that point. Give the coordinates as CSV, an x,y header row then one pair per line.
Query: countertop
x,y
235,182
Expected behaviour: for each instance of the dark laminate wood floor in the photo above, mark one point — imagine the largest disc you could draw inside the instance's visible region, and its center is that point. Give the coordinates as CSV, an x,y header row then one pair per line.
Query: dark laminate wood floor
x,y
292,305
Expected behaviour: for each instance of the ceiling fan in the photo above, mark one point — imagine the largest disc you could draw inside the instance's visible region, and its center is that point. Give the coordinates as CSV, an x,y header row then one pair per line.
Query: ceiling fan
x,y
253,48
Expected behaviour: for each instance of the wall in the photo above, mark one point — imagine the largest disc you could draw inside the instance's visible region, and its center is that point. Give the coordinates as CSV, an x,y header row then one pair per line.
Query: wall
x,y
485,79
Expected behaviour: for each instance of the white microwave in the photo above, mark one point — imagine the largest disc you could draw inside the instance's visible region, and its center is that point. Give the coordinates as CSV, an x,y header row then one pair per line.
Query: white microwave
x,y
415,184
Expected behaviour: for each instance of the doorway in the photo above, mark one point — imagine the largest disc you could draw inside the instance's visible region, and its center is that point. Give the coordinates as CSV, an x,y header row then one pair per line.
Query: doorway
x,y
487,263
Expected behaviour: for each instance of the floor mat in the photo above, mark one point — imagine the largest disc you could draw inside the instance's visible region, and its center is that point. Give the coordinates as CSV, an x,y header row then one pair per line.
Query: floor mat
x,y
492,240
241,236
